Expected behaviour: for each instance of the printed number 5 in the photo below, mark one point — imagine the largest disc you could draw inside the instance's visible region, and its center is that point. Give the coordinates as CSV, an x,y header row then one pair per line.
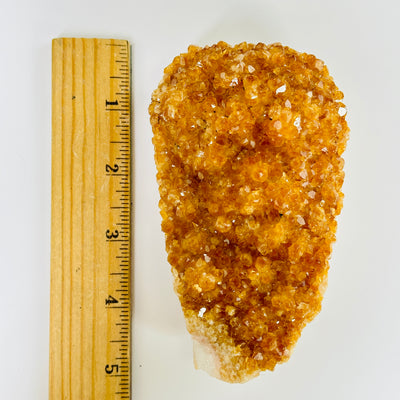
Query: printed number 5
x,y
110,368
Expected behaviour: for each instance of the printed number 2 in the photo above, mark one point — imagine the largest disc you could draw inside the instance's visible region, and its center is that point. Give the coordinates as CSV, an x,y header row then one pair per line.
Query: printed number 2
x,y
110,368
109,168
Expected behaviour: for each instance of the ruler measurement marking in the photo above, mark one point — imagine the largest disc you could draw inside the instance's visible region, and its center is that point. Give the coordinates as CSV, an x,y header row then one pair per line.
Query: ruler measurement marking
x,y
116,174
119,306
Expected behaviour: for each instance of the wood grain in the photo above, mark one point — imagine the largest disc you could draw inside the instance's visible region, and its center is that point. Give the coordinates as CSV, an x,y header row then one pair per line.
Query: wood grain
x,y
91,129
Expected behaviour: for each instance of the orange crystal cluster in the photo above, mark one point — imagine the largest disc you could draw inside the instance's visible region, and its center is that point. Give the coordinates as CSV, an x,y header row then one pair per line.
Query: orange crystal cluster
x,y
248,143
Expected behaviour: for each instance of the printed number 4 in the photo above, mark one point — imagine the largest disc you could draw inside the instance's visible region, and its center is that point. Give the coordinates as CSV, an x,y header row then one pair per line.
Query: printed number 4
x,y
111,300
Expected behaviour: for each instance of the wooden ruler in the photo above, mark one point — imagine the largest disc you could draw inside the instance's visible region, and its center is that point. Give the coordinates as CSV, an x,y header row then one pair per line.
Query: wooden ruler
x,y
91,203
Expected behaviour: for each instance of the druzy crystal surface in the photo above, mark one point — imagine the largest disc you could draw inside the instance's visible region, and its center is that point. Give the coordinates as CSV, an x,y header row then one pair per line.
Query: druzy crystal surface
x,y
248,143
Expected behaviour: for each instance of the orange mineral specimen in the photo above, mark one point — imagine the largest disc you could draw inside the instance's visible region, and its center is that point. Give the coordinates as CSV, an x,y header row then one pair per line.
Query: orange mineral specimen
x,y
248,143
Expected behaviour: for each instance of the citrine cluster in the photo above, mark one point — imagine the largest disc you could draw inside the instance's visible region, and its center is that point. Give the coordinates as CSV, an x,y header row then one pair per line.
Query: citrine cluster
x,y
248,143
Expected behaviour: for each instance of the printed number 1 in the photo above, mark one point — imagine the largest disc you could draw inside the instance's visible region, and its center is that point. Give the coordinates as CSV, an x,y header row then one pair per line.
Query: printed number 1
x,y
111,103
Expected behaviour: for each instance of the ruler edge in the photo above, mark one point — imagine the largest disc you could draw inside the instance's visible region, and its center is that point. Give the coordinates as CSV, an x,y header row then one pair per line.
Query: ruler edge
x,y
58,268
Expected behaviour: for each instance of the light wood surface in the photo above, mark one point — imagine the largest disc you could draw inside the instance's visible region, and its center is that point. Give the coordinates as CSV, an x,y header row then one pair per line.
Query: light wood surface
x,y
90,248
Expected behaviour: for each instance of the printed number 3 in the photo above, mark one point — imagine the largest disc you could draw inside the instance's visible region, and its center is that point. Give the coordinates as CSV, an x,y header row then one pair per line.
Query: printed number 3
x,y
112,235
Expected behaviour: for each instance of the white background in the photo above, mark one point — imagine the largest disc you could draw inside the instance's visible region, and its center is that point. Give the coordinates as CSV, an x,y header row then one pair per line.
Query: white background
x,y
352,349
